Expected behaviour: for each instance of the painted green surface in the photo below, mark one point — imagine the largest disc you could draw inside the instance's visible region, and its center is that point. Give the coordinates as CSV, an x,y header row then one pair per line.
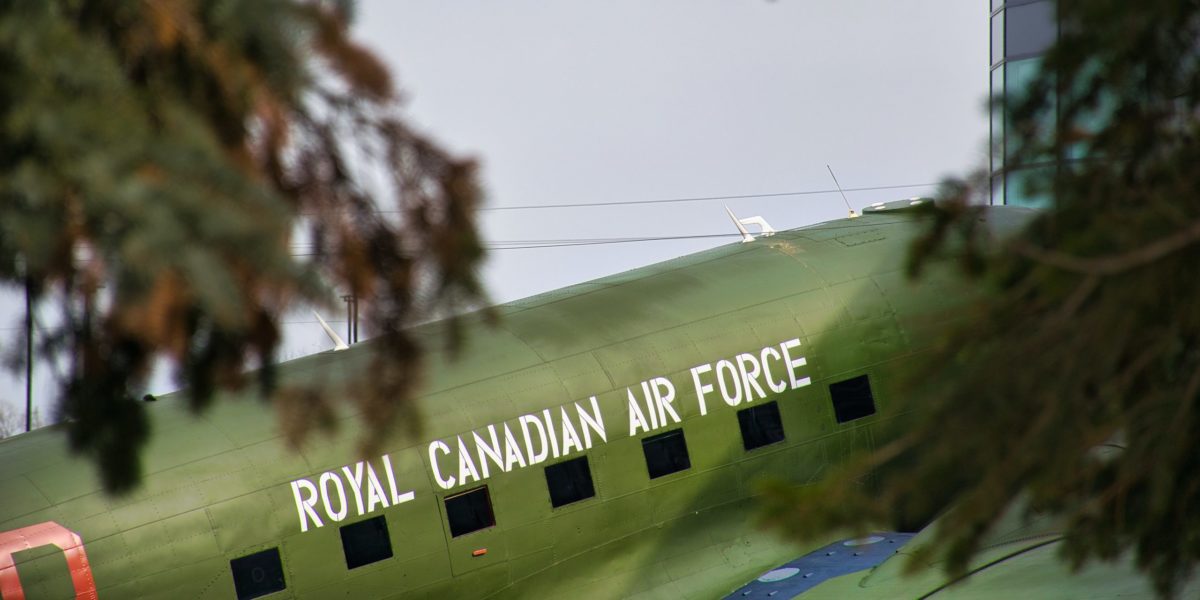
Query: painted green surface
x,y
1019,560
219,486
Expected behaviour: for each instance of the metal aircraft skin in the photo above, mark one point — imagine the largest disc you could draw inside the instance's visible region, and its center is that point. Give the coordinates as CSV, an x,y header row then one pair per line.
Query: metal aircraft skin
x,y
671,370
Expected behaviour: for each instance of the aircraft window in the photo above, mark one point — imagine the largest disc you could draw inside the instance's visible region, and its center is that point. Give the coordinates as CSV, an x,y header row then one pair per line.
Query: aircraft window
x,y
569,481
852,399
761,425
666,453
366,542
469,511
258,574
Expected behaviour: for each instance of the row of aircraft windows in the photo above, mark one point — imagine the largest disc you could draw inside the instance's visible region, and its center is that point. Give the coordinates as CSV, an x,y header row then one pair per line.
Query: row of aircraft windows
x,y
569,481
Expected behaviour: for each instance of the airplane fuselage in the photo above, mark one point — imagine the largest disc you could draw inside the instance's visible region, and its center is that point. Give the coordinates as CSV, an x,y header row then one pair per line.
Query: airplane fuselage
x,y
605,440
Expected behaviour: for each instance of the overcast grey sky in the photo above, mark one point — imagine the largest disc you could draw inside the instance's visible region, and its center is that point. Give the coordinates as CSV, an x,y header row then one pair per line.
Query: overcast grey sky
x,y
570,102
579,102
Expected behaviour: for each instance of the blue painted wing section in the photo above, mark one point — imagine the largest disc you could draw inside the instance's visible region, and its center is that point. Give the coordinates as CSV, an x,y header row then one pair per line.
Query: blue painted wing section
x,y
812,569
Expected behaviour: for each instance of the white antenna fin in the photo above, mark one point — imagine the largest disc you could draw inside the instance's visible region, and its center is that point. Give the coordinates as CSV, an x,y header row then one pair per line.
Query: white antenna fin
x,y
765,228
338,342
746,237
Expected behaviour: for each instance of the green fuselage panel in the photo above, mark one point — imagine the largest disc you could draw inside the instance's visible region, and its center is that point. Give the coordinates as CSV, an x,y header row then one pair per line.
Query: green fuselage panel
x,y
590,370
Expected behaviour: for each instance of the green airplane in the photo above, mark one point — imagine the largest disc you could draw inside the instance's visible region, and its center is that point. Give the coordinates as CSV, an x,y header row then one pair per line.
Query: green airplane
x,y
606,440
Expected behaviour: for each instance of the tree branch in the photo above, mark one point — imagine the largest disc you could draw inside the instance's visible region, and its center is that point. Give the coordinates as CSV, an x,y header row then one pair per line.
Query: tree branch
x,y
1112,264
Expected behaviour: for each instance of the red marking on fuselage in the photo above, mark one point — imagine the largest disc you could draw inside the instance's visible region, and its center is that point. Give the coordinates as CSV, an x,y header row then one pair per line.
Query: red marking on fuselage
x,y
44,534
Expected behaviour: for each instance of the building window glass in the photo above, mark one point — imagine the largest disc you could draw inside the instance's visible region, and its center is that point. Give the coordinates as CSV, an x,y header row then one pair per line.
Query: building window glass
x,y
760,425
258,574
366,542
997,37
852,399
569,481
1090,120
1018,77
666,453
997,119
469,511
1029,29
1030,187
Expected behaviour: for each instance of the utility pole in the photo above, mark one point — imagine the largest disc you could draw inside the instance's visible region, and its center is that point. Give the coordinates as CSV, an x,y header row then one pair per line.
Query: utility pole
x,y
351,318
28,355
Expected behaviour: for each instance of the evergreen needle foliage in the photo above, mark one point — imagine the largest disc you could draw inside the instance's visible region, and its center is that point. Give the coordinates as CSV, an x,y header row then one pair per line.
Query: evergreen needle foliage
x,y
156,159
1077,385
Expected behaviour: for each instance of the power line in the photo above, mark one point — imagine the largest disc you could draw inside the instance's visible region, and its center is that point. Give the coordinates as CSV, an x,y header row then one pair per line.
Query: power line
x,y
533,244
708,198
564,243
569,242
552,243
695,198
602,241
575,242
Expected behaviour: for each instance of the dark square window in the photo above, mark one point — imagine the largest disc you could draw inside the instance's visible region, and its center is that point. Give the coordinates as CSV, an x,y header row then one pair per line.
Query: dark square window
x,y
469,511
761,425
852,399
666,453
569,481
366,542
257,575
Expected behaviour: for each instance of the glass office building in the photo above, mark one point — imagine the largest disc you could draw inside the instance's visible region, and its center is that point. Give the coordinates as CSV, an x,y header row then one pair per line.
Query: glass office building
x,y
1021,31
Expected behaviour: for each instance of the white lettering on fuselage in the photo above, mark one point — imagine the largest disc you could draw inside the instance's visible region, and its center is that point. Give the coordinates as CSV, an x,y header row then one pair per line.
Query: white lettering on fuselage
x,y
529,440
366,493
740,379
650,406
551,433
